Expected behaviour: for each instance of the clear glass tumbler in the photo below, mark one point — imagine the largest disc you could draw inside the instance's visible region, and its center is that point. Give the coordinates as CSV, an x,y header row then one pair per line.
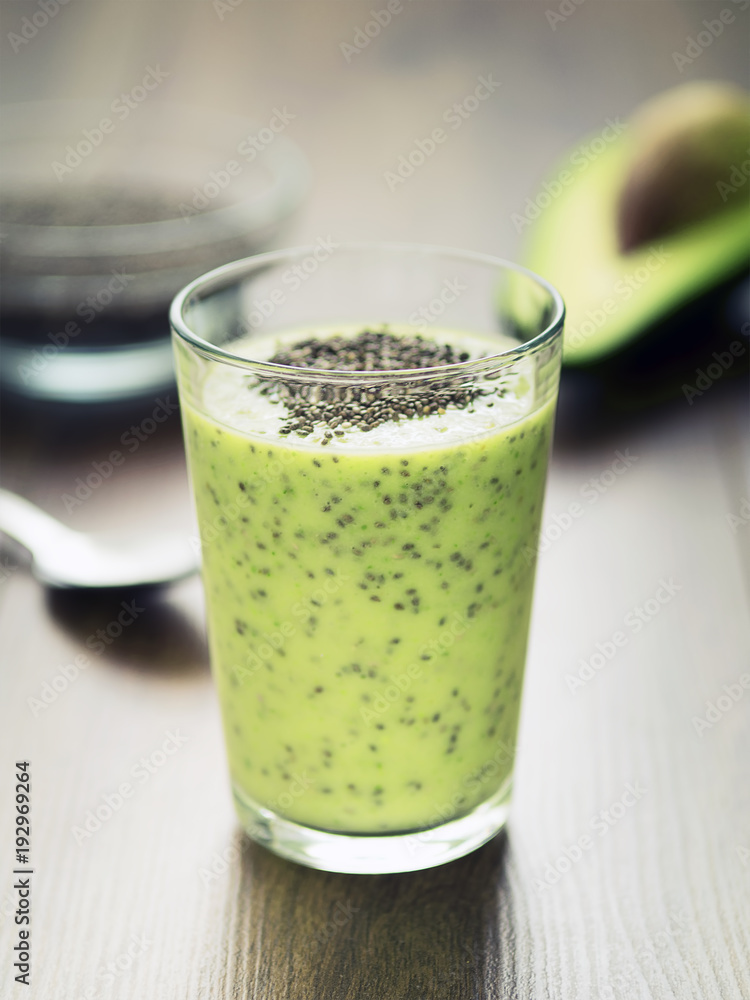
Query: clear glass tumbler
x,y
367,429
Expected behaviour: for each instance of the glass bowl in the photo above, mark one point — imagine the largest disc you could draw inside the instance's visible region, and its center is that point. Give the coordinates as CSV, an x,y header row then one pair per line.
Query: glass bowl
x,y
104,216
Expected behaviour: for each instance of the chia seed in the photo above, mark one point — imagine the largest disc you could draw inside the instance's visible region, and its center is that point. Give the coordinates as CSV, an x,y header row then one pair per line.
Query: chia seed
x,y
333,406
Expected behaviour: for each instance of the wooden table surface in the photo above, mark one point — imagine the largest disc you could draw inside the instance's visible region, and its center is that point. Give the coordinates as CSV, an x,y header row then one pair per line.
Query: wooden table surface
x,y
165,898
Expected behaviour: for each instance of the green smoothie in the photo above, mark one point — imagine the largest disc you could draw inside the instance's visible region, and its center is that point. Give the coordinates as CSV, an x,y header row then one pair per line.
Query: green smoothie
x,y
368,597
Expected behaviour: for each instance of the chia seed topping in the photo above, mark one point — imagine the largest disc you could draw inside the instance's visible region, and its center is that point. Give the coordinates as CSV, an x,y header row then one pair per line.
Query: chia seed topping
x,y
340,408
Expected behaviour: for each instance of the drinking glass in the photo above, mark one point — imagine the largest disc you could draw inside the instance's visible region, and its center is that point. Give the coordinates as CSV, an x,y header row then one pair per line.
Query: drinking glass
x,y
367,430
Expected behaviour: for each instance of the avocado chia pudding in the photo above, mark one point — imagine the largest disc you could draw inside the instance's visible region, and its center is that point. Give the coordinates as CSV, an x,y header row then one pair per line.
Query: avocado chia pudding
x,y
368,565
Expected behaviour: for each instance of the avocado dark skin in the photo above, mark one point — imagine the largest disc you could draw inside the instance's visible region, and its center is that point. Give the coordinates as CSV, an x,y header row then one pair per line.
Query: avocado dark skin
x,y
683,143
647,242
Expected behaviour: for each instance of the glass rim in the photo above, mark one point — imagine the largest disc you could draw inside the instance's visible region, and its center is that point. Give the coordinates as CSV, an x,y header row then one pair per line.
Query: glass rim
x,y
222,277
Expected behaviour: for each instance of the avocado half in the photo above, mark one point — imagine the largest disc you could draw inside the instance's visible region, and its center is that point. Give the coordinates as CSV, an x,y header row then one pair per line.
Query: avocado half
x,y
615,297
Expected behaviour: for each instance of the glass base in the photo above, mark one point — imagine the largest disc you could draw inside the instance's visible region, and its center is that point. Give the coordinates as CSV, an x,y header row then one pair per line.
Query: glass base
x,y
380,854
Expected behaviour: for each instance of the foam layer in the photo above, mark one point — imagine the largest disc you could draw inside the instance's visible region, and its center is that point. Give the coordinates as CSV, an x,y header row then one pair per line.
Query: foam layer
x,y
234,399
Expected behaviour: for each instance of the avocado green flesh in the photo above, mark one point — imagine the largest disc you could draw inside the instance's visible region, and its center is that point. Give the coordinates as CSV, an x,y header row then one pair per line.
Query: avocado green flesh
x,y
611,298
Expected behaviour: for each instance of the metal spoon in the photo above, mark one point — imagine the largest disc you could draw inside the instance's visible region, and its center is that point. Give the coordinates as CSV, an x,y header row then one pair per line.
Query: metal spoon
x,y
62,557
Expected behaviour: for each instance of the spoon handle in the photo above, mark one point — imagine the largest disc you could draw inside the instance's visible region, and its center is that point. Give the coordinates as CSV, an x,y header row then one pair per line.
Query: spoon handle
x,y
29,525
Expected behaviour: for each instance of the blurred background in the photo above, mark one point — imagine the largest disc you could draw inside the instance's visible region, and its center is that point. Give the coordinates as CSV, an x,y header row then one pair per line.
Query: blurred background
x,y
358,102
